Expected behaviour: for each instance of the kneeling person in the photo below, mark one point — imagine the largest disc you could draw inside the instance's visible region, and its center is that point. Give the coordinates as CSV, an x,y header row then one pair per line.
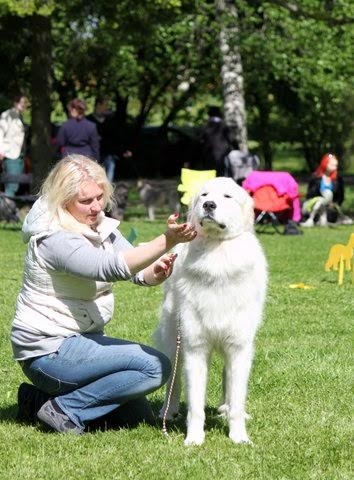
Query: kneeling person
x,y
74,254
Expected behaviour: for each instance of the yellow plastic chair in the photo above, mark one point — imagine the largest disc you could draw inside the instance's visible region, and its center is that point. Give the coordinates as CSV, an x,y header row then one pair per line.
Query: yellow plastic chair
x,y
191,181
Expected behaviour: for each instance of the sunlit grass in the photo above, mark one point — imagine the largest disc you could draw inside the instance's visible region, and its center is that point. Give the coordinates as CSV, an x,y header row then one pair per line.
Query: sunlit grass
x,y
299,397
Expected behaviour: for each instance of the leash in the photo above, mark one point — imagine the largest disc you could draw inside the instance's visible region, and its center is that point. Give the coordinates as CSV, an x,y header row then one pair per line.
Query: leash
x,y
174,373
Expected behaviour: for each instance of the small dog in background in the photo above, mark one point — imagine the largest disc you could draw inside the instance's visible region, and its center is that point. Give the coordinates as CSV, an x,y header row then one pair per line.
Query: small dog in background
x,y
121,192
154,195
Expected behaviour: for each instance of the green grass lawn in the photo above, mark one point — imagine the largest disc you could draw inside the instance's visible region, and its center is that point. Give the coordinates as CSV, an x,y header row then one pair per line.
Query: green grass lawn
x,y
300,393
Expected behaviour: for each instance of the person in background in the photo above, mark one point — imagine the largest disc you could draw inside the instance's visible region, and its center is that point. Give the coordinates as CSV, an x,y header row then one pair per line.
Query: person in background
x,y
325,195
108,128
98,117
74,255
215,142
12,141
77,134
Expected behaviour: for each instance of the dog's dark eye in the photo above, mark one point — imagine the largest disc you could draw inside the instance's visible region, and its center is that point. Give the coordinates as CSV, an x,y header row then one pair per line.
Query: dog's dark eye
x,y
203,194
227,196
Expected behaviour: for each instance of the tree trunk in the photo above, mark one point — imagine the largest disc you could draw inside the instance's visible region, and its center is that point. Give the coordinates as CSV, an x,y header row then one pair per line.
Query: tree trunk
x,y
121,108
232,73
41,150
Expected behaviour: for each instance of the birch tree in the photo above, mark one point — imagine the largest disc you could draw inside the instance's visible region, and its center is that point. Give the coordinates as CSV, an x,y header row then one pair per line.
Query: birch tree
x,y
232,72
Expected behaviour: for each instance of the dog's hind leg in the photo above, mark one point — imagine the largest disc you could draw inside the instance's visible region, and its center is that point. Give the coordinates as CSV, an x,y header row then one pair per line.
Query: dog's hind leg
x,y
223,408
238,366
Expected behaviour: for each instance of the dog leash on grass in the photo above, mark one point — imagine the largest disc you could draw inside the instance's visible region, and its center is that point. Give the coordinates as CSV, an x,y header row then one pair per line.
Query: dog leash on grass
x,y
174,372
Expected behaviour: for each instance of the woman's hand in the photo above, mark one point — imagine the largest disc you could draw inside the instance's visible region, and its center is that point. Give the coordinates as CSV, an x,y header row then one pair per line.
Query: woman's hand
x,y
162,268
178,233
144,256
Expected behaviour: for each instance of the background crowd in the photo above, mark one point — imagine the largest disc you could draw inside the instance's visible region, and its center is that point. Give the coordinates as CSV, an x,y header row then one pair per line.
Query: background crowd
x,y
98,136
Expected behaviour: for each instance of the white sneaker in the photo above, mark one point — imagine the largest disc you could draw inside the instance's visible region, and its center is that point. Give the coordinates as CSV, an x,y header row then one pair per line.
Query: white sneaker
x,y
345,220
308,223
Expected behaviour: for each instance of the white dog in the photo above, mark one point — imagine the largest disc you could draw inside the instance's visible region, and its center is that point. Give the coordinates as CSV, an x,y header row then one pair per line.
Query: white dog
x,y
215,296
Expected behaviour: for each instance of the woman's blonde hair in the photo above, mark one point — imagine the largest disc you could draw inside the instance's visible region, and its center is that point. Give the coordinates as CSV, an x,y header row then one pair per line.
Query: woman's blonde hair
x,y
63,182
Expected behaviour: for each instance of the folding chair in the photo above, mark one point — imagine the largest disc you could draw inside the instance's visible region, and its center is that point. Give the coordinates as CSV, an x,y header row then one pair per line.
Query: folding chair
x,y
191,181
276,198
270,208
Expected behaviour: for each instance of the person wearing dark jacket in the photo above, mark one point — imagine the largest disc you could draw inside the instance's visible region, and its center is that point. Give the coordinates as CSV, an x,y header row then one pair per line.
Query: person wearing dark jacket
x,y
77,134
99,117
215,142
111,137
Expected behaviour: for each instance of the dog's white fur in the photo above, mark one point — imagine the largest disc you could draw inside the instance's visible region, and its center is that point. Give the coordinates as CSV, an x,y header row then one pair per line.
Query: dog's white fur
x,y
216,292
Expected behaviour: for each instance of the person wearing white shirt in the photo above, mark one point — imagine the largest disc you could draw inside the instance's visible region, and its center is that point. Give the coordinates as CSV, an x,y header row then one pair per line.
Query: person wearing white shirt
x,y
12,137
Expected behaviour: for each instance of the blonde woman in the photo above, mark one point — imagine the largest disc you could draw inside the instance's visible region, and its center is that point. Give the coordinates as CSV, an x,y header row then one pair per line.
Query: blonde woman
x,y
74,254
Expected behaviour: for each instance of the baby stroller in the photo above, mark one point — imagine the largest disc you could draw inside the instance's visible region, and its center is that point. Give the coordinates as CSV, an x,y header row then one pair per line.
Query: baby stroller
x,y
276,200
238,165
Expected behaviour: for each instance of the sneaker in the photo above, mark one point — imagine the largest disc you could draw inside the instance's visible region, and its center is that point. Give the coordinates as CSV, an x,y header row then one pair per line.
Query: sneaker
x,y
308,223
52,415
29,401
291,228
345,220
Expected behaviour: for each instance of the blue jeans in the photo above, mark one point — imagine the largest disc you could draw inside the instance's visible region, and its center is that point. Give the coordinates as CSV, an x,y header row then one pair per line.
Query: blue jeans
x,y
91,375
109,164
14,166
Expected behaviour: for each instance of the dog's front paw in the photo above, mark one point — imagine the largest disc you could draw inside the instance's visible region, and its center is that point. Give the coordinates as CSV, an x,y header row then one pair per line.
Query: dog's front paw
x,y
238,433
195,438
240,438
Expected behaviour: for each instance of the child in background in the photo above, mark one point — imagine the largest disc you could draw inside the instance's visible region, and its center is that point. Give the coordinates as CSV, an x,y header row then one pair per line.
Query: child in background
x,y
325,194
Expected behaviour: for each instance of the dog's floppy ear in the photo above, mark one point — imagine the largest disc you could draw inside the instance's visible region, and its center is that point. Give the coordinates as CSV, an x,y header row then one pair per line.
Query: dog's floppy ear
x,y
248,212
191,206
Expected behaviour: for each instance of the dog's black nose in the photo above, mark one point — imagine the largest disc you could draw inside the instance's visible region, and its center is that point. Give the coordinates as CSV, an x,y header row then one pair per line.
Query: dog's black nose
x,y
209,206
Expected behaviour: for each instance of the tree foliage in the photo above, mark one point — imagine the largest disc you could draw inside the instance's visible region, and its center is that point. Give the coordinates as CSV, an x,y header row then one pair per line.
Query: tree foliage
x,y
161,61
27,7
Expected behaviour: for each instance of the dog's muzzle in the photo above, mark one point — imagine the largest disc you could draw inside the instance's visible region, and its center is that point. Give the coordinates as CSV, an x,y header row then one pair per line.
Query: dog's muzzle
x,y
209,209
209,206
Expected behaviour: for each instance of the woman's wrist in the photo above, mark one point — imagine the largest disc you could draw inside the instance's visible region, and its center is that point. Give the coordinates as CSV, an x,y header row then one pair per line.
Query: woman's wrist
x,y
150,278
171,241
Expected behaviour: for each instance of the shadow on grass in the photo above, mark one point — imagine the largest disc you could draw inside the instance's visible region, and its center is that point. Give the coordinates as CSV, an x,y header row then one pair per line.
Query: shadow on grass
x,y
213,420
178,425
8,414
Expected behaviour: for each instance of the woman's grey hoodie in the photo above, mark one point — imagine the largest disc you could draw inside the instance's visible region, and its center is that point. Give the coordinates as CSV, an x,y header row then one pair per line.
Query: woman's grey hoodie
x,y
67,281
